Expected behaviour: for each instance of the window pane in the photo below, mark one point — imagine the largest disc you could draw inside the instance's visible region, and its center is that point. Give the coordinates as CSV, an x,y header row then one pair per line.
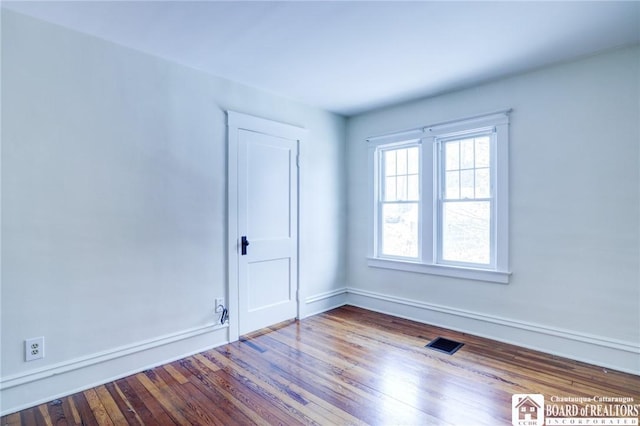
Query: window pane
x,y
452,185
401,191
466,232
452,155
390,189
390,163
400,230
483,183
482,151
466,154
466,184
402,161
413,157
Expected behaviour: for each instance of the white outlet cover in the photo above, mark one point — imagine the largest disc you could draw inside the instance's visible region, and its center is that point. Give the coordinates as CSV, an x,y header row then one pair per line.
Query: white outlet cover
x,y
219,301
34,348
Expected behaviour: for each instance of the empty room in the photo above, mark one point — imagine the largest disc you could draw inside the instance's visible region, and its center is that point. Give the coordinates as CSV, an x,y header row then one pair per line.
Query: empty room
x,y
458,242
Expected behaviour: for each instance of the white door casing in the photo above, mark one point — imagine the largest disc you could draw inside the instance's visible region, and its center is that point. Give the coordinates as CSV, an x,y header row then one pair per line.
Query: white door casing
x,y
263,207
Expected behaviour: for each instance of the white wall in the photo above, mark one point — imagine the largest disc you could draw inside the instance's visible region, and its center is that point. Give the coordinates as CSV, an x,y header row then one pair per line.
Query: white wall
x,y
574,209
114,206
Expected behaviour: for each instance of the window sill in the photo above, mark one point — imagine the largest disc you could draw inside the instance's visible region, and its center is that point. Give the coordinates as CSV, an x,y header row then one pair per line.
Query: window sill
x,y
499,277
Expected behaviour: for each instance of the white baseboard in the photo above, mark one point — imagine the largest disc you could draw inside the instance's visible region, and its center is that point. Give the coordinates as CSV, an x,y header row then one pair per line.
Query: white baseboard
x,y
324,302
38,386
598,350
34,387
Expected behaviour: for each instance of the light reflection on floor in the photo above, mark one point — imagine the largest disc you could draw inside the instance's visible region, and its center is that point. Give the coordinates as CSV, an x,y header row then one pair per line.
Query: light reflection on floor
x,y
411,389
401,388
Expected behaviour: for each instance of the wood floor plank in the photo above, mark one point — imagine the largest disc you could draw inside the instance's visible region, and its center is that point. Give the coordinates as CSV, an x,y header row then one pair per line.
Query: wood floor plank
x,y
11,420
206,362
125,407
349,395
97,408
54,413
28,417
281,395
347,366
176,374
133,401
77,419
43,416
60,412
319,409
111,407
146,405
166,399
195,411
225,410
84,409
246,399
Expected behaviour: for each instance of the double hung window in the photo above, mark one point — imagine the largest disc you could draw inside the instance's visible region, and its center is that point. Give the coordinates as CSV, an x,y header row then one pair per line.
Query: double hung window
x,y
440,199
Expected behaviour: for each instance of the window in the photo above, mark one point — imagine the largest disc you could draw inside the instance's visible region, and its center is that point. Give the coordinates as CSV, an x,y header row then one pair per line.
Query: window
x,y
399,201
465,202
440,199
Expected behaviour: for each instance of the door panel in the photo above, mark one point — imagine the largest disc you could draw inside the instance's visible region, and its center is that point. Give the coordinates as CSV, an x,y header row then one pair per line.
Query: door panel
x,y
261,292
268,190
267,216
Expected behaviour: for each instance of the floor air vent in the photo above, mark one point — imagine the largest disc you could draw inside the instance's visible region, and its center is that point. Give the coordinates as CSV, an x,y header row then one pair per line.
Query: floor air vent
x,y
444,345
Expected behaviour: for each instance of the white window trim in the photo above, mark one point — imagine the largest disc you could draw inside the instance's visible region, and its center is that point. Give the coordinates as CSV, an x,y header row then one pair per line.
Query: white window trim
x,y
488,275
497,121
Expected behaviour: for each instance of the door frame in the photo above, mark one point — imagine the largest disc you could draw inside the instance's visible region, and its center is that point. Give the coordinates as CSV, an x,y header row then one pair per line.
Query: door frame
x,y
237,121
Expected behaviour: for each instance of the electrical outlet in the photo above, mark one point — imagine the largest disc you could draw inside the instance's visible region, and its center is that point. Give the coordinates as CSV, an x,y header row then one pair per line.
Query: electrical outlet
x,y
34,349
219,304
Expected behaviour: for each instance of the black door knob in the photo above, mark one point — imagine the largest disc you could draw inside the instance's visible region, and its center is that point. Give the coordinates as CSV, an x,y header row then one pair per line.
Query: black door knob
x,y
244,245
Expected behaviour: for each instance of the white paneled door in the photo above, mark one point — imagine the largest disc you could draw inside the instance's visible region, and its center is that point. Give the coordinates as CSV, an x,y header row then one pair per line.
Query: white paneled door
x,y
267,224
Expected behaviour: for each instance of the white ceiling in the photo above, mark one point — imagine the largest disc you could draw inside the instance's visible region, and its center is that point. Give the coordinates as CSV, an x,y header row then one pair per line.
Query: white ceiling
x,y
352,56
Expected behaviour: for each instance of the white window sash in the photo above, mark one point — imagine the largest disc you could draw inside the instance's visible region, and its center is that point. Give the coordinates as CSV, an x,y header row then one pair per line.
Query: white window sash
x,y
439,178
377,150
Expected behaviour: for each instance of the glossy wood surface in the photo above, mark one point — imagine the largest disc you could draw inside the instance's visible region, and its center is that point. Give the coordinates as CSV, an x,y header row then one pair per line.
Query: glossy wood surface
x,y
348,366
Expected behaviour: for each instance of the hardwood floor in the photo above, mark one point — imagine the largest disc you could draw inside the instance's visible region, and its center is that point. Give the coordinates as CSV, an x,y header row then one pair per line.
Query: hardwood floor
x,y
346,366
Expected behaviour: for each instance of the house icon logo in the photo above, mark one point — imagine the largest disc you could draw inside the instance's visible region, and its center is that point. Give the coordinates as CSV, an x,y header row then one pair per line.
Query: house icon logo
x,y
527,410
